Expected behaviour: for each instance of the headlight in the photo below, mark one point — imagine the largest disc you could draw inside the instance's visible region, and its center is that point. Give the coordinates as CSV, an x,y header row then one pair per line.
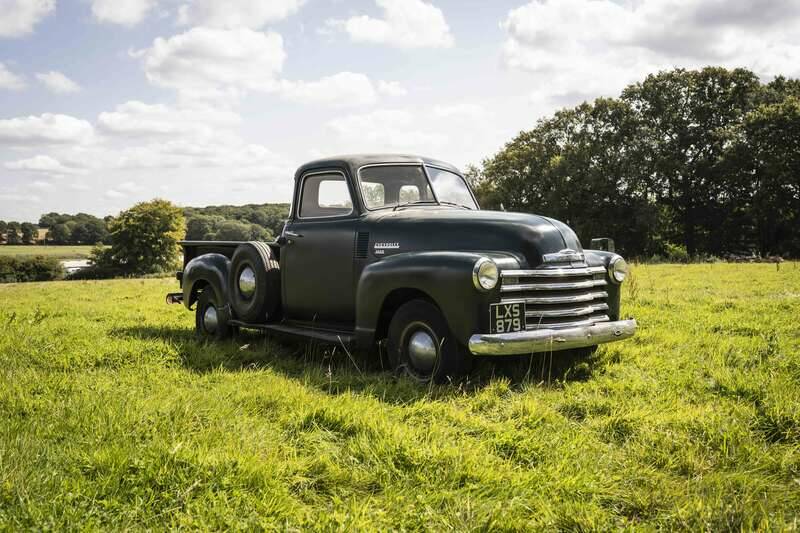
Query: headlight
x,y
618,269
485,274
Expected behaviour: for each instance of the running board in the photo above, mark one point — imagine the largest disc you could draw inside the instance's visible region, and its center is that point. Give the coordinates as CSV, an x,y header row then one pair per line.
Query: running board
x,y
331,337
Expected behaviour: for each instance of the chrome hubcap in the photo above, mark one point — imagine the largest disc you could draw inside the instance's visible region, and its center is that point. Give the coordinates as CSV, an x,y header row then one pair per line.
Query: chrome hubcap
x,y
422,351
247,282
210,319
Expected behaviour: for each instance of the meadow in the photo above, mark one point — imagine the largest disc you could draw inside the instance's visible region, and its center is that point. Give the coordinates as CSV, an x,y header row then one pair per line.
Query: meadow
x,y
115,417
58,252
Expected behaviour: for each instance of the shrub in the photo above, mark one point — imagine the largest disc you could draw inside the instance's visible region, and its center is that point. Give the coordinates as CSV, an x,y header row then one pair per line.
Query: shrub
x,y
676,253
21,269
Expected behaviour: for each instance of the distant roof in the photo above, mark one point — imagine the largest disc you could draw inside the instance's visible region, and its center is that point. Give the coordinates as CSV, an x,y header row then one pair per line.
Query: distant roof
x,y
355,161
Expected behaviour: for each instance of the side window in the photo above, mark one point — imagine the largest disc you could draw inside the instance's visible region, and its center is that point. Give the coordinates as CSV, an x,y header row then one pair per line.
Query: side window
x,y
325,195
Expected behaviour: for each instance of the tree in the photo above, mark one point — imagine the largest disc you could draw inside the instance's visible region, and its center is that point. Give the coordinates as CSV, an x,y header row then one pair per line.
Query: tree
x,y
59,234
29,233
144,239
202,227
3,227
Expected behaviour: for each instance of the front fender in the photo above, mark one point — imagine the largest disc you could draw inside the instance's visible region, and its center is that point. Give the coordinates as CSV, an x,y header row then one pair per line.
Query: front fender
x,y
207,268
446,277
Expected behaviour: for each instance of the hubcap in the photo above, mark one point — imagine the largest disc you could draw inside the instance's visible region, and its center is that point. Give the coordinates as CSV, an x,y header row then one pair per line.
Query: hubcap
x,y
247,282
210,319
422,351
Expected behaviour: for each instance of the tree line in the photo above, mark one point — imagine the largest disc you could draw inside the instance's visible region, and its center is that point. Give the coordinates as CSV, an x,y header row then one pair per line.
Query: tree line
x,y
703,161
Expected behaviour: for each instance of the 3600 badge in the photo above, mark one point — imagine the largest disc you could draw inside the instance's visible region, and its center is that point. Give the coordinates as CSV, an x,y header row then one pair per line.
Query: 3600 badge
x,y
507,317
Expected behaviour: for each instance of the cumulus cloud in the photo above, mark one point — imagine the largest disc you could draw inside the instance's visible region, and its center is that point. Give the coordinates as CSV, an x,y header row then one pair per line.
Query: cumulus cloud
x,y
587,48
405,24
384,130
45,129
391,88
43,164
342,89
253,14
123,12
138,119
214,61
20,16
463,110
9,80
58,82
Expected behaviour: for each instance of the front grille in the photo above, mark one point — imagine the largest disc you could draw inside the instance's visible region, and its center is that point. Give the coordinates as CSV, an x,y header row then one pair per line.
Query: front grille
x,y
558,297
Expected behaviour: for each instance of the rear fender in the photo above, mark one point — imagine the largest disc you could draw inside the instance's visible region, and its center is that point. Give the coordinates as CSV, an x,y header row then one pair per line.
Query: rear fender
x,y
204,269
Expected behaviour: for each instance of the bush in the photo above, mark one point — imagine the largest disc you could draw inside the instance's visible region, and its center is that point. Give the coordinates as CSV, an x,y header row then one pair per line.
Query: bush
x,y
21,269
676,253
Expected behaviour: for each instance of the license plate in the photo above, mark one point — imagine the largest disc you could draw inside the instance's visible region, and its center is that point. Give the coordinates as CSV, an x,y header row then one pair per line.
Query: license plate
x,y
507,317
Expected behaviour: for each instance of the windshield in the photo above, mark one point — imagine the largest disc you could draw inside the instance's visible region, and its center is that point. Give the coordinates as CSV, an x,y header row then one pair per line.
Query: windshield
x,y
397,185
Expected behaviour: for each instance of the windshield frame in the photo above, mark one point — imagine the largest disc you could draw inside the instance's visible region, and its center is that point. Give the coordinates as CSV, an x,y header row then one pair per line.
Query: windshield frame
x,y
425,167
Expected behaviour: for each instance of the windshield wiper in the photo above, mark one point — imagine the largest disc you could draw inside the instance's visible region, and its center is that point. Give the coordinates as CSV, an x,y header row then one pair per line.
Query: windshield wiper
x,y
462,206
406,204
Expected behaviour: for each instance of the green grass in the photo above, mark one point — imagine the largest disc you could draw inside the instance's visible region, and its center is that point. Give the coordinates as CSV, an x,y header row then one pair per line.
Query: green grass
x,y
59,252
114,417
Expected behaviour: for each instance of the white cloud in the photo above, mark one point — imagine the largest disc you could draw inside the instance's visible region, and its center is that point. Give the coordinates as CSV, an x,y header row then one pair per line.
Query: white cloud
x,y
405,24
43,164
458,111
587,48
45,129
146,120
253,14
384,130
342,89
123,12
391,88
114,194
207,61
58,82
9,80
18,17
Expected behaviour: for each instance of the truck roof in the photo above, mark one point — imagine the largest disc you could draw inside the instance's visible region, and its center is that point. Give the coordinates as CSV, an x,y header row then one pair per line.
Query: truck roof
x,y
353,162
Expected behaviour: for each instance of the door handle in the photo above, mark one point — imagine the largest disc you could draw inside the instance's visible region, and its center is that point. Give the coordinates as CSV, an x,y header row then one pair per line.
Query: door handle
x,y
292,234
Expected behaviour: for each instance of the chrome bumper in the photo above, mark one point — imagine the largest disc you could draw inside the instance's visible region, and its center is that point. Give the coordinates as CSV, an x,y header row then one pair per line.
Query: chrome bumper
x,y
550,340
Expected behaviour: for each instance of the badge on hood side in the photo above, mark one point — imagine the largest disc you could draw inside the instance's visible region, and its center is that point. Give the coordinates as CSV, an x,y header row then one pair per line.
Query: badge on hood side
x,y
379,248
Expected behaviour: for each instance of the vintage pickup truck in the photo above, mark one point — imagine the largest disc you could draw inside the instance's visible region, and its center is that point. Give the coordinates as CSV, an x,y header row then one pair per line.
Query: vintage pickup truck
x,y
391,255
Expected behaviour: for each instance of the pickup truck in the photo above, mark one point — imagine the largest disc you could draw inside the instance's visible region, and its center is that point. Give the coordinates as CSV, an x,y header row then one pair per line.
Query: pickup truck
x,y
391,255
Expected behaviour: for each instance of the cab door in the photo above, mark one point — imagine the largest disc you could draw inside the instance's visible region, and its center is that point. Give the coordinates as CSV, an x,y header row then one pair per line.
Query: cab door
x,y
317,258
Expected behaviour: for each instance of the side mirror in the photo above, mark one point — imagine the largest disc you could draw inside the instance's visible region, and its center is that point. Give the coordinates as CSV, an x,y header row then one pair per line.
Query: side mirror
x,y
602,243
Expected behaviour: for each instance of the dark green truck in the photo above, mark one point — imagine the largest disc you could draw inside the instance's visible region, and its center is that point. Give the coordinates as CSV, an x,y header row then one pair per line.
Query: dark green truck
x,y
393,251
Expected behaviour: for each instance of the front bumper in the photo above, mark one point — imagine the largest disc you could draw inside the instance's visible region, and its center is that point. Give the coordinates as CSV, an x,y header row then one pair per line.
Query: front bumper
x,y
550,340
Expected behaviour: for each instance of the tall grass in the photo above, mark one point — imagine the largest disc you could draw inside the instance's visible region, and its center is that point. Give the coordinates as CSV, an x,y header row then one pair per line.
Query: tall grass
x,y
114,417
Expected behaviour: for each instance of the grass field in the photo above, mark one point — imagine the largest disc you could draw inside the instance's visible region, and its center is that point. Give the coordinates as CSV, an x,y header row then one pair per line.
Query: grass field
x,y
114,417
59,252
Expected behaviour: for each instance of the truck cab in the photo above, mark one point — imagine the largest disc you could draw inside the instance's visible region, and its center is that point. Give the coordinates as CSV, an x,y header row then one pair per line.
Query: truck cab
x,y
394,251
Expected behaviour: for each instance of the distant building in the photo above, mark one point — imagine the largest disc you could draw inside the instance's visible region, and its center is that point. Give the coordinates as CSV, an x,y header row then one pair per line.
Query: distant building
x,y
41,235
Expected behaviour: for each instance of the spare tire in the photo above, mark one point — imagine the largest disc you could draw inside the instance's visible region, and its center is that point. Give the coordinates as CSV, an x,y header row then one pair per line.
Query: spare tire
x,y
254,284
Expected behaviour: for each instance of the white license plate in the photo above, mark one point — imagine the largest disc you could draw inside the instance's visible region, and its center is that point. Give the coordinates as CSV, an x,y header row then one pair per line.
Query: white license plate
x,y
507,317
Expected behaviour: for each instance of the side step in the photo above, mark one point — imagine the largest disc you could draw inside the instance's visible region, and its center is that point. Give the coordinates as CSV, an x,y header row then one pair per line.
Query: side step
x,y
326,336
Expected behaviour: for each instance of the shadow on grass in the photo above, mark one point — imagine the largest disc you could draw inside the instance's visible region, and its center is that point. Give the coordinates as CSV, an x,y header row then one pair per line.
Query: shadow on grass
x,y
334,370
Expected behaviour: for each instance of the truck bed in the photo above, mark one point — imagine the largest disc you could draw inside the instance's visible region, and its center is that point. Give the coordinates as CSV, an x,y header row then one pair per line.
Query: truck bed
x,y
192,249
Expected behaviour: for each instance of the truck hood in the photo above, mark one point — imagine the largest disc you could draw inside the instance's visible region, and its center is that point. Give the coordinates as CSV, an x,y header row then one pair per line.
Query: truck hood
x,y
526,236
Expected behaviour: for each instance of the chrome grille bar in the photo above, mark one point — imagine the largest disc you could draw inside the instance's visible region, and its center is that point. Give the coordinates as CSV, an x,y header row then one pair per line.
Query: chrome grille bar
x,y
551,300
587,322
570,312
553,272
559,286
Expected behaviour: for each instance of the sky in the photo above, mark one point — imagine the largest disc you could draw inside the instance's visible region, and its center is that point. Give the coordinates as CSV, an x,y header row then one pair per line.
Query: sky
x,y
105,103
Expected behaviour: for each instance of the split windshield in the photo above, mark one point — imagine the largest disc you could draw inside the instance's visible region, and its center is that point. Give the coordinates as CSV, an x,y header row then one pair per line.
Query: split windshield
x,y
398,185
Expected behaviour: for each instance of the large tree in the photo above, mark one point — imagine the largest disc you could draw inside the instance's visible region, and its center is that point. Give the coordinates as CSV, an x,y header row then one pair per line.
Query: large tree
x,y
144,239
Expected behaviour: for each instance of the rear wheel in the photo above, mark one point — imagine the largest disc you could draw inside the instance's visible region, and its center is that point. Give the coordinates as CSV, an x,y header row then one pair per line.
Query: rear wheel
x,y
211,321
421,345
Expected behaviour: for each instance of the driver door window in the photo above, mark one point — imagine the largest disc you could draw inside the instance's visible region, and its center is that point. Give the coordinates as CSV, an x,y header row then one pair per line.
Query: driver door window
x,y
325,195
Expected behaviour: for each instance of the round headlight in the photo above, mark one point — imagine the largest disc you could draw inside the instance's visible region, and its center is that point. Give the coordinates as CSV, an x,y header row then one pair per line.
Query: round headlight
x,y
618,269
485,274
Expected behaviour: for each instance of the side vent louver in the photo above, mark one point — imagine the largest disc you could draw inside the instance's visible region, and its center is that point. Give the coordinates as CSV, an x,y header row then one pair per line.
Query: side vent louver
x,y
362,245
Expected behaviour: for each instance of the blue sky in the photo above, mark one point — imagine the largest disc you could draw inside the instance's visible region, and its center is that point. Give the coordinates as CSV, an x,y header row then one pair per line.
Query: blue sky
x,y
104,103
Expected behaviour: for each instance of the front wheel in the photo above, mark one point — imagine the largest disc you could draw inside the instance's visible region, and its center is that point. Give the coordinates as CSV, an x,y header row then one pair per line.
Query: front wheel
x,y
421,345
210,320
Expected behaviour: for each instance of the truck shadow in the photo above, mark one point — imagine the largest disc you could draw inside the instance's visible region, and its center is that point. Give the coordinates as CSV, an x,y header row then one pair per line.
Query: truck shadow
x,y
333,370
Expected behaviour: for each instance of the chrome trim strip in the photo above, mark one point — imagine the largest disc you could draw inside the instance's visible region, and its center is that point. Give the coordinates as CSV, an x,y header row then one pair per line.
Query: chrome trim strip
x,y
547,300
561,325
553,272
575,311
567,254
588,284
550,340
